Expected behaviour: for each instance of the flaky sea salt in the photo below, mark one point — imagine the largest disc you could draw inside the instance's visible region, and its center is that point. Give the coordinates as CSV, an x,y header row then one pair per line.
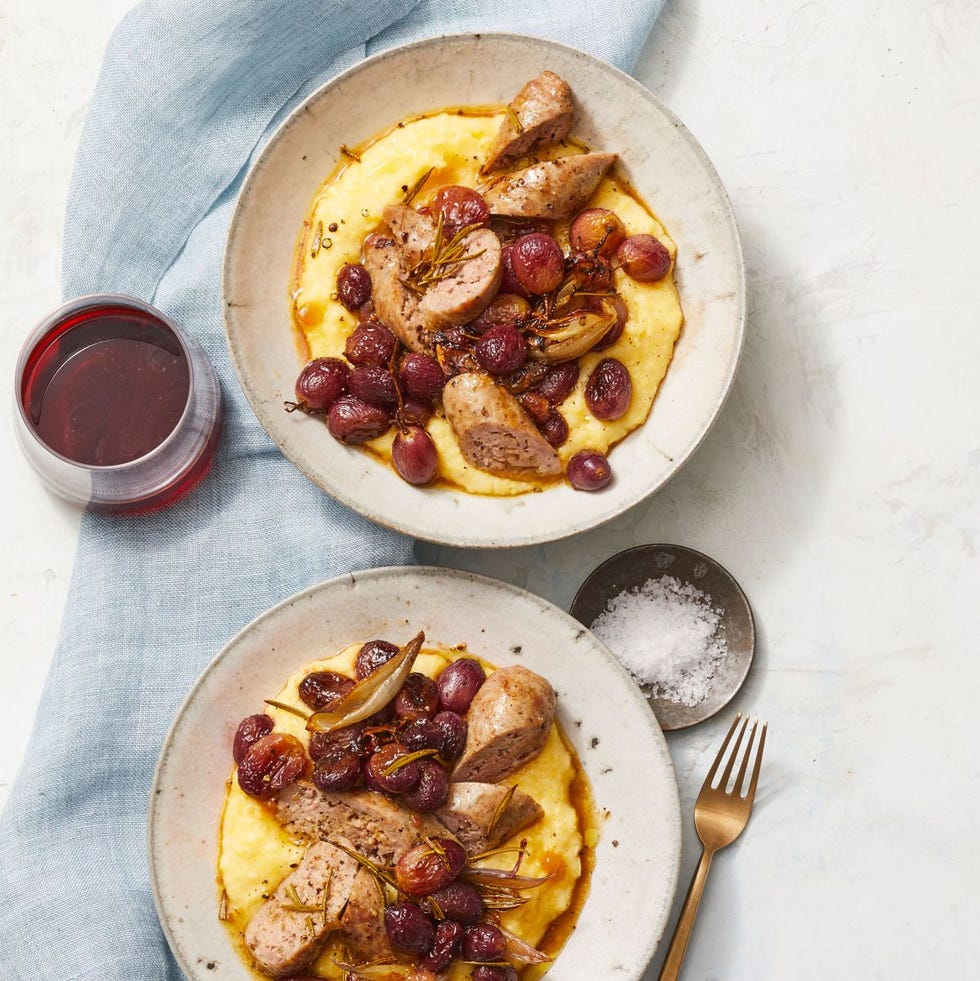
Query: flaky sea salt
x,y
666,634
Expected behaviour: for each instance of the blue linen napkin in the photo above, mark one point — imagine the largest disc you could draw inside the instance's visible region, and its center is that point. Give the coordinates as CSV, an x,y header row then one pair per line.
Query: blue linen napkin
x,y
188,92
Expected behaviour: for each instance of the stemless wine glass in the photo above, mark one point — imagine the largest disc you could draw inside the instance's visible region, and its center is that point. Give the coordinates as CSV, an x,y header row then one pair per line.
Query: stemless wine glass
x,y
114,407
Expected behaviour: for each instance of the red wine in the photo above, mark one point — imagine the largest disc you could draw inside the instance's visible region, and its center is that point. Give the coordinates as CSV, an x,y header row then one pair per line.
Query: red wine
x,y
107,386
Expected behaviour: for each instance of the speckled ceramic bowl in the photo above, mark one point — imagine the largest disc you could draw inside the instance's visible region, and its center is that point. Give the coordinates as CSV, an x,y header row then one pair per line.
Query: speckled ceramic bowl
x,y
661,159
601,710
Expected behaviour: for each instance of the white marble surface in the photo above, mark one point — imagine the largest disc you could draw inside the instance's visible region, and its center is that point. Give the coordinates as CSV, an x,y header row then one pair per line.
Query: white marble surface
x,y
840,484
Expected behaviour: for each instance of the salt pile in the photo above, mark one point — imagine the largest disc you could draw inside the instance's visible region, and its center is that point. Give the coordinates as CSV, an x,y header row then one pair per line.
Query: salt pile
x,y
665,633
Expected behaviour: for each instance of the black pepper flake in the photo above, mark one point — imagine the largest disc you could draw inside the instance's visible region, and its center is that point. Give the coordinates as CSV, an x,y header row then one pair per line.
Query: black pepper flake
x,y
594,741
516,649
615,843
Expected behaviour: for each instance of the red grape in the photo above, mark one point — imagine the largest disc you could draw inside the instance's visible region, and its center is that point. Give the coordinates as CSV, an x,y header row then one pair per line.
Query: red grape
x,y
453,729
445,946
320,689
353,286
537,262
250,730
509,283
588,470
353,421
504,308
597,230
422,734
460,206
554,428
418,698
458,684
432,790
421,376
321,383
370,343
414,412
423,869
271,764
374,384
414,456
558,384
494,972
350,737
501,350
609,390
371,656
460,901
408,928
403,778
535,405
338,768
484,942
644,258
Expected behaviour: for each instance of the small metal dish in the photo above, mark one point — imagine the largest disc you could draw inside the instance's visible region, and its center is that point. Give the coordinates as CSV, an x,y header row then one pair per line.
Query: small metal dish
x,y
631,569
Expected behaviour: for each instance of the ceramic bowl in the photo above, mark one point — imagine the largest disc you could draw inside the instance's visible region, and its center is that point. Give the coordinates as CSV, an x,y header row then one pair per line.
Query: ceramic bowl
x,y
603,713
659,157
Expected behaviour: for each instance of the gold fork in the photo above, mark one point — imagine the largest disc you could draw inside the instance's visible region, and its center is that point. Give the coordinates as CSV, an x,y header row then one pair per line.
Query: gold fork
x,y
720,816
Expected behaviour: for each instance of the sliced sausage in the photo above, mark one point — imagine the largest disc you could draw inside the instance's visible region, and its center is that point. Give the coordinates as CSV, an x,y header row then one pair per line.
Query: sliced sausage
x,y
379,828
493,431
467,289
395,305
283,939
413,233
544,111
472,812
551,189
363,922
509,721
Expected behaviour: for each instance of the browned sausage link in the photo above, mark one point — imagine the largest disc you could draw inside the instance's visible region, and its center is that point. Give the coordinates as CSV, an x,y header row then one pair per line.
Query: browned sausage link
x,y
481,816
493,431
543,112
395,305
551,189
509,722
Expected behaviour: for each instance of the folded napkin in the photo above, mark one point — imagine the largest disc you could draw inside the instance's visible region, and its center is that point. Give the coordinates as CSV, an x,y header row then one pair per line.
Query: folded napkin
x,y
188,92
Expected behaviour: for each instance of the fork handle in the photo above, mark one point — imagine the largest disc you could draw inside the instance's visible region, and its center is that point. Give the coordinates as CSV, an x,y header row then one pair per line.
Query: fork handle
x,y
682,932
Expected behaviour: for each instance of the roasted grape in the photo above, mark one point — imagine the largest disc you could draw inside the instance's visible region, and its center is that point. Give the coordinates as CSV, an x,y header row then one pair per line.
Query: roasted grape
x,y
588,470
370,343
272,763
422,734
616,331
432,790
460,901
527,376
509,283
371,656
537,263
505,309
460,207
353,285
494,972
414,455
351,737
351,420
644,258
597,230
609,390
408,928
590,272
445,947
452,728
458,683
535,405
374,385
414,412
559,382
338,768
320,689
250,730
484,942
429,866
418,698
554,428
321,383
421,376
501,350
389,771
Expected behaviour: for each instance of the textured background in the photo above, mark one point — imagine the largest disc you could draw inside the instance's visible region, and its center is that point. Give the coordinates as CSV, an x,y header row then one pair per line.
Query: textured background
x,y
840,484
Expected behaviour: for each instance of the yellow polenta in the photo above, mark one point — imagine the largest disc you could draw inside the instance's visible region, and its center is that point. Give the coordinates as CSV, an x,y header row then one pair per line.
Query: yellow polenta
x,y
255,854
352,200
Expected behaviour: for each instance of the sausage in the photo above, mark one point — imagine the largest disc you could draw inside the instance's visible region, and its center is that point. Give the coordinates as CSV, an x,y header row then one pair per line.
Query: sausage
x,y
509,721
363,922
395,305
283,940
472,813
379,828
493,431
543,107
551,189
413,233
466,291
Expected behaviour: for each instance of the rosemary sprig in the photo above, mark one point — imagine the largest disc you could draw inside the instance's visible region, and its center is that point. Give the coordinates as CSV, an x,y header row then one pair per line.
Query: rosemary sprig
x,y
296,905
406,759
376,870
287,708
442,258
501,807
514,119
416,187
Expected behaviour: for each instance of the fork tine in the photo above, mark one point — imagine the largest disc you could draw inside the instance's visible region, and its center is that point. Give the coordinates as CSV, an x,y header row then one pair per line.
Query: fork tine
x,y
740,779
731,761
758,764
721,752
